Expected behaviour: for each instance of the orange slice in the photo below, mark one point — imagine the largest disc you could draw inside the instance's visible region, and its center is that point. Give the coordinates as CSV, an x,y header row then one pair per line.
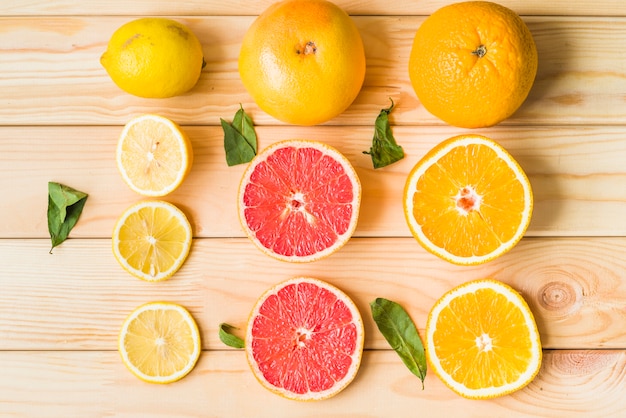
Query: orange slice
x,y
299,200
467,200
304,339
153,155
482,340
159,342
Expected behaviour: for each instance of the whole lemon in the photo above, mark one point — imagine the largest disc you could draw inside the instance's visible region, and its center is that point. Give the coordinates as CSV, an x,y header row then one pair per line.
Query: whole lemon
x,y
154,57
473,63
303,61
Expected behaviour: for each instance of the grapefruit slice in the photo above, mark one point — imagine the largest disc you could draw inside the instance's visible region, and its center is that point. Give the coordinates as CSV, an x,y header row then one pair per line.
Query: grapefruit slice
x,y
299,200
304,339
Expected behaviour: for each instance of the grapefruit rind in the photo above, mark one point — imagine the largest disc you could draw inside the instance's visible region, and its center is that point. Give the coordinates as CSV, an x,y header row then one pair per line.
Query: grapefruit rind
x,y
342,239
431,158
512,296
356,356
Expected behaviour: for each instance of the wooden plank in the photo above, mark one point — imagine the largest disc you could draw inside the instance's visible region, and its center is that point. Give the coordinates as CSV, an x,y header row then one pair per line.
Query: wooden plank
x,y
51,73
577,174
77,298
254,7
95,384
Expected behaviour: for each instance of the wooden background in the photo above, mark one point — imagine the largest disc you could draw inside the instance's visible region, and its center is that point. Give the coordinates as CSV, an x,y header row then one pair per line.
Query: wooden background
x,y
60,116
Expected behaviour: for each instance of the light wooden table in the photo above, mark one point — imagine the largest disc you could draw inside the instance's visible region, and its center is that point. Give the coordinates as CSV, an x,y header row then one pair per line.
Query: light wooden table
x,y
60,116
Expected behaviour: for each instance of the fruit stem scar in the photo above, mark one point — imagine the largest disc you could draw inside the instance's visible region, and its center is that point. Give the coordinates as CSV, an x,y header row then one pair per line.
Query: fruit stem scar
x,y
480,52
308,49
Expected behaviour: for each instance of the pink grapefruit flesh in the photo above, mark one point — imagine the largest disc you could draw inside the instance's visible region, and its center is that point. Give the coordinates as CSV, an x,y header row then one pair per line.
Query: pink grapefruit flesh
x,y
299,200
305,339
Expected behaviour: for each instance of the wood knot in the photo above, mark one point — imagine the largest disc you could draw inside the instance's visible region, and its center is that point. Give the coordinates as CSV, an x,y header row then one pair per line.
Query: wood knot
x,y
561,297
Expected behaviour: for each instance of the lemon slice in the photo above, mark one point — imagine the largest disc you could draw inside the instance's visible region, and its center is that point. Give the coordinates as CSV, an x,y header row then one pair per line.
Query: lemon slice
x,y
153,155
151,240
159,342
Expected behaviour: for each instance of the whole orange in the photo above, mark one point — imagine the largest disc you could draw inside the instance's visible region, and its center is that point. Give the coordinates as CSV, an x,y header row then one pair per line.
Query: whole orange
x,y
303,61
473,63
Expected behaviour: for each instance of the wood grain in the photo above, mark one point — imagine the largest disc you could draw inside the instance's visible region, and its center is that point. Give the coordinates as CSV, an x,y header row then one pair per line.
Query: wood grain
x,y
60,313
576,383
51,73
577,174
254,7
77,297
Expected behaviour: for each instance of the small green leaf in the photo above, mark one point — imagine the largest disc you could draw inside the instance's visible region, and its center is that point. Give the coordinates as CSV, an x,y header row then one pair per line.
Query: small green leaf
x,y
384,150
399,330
240,141
64,208
229,339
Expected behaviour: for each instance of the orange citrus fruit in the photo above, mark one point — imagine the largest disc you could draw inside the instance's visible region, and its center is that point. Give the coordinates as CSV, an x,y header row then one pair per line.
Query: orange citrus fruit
x,y
467,200
304,339
303,61
482,340
160,342
299,200
151,240
154,155
473,63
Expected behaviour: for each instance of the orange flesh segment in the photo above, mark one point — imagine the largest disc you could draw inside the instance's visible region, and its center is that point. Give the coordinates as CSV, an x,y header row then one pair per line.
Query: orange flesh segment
x,y
479,231
483,319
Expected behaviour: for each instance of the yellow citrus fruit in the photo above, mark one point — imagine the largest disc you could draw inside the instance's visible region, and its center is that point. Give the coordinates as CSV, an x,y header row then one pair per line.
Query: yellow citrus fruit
x,y
482,340
303,61
304,339
152,239
299,200
473,63
467,200
154,57
159,342
154,155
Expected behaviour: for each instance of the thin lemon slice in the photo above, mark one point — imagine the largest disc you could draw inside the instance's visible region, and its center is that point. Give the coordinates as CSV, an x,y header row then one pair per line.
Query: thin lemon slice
x,y
159,342
153,155
482,340
152,239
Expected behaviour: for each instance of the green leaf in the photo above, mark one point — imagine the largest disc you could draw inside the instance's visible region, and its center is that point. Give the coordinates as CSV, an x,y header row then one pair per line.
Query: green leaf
x,y
240,141
399,330
229,339
64,208
384,150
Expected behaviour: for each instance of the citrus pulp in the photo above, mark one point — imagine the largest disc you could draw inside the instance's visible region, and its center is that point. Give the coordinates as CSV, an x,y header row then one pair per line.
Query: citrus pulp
x,y
151,240
304,339
154,155
467,200
299,200
482,340
159,342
